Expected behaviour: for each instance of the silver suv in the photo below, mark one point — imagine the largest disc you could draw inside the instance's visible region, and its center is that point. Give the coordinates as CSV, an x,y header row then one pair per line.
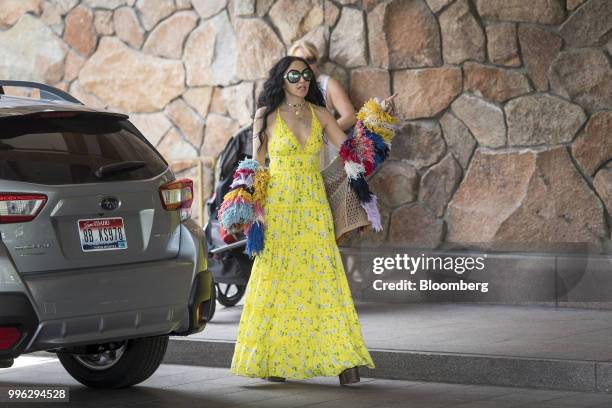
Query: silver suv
x,y
99,259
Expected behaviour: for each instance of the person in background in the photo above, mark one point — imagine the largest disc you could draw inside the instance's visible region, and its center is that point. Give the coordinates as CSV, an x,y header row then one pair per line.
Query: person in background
x,y
336,98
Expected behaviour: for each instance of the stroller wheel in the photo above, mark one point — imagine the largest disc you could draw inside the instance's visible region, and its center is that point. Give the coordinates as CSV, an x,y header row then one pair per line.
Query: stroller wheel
x,y
229,294
214,303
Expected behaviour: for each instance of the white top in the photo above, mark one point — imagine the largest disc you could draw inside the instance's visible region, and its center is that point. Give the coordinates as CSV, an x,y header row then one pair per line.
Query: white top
x,y
328,152
322,82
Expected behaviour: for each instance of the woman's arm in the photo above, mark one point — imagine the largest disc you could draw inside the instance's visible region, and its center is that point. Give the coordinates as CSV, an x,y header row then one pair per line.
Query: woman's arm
x,y
242,207
260,155
339,100
365,149
331,127
333,130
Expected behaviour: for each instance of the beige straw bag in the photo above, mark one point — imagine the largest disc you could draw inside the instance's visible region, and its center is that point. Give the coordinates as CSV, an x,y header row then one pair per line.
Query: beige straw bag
x,y
347,212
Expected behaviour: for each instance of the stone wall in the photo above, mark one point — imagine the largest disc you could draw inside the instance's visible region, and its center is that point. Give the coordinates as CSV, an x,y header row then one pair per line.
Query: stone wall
x,y
507,104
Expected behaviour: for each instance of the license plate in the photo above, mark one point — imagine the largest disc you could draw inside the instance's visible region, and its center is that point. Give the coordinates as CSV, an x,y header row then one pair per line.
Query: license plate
x,y
102,234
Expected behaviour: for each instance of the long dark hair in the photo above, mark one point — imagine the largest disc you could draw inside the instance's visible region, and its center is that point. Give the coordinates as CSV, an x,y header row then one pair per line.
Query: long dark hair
x,y
273,93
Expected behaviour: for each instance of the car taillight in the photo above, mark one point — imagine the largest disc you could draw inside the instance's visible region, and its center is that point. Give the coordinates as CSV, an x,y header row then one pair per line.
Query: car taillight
x,y
8,337
18,207
178,195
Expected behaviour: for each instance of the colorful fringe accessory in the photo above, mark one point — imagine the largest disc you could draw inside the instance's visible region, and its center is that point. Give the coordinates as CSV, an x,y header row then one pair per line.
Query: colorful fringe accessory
x,y
366,148
242,207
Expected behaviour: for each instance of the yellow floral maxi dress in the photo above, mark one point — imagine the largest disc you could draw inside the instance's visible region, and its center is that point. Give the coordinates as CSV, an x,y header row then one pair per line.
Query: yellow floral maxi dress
x,y
298,320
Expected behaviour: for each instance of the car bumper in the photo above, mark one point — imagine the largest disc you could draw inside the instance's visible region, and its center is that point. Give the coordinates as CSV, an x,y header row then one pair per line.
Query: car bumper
x,y
98,305
17,311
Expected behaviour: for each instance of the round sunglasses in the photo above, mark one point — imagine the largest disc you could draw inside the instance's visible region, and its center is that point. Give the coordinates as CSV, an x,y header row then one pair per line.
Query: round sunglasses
x,y
293,76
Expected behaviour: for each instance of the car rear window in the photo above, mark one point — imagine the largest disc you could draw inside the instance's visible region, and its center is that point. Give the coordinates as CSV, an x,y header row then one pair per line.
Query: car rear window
x,y
71,150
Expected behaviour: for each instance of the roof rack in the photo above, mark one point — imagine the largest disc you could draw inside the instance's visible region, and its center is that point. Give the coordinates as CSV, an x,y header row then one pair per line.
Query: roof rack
x,y
46,91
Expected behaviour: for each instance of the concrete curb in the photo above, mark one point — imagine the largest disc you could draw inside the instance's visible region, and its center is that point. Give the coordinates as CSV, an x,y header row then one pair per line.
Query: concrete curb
x,y
557,374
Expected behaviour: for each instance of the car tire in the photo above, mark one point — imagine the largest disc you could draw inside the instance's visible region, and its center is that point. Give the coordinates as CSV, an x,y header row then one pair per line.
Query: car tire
x,y
139,359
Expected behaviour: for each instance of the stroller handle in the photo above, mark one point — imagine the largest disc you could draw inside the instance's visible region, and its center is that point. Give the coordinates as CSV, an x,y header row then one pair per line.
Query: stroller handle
x,y
228,247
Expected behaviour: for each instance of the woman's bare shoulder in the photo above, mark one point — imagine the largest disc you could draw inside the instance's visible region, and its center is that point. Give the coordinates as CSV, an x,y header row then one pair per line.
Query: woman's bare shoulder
x,y
322,112
333,81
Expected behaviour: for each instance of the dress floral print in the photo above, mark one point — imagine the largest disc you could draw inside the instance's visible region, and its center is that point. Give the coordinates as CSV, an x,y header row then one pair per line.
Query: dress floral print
x,y
299,320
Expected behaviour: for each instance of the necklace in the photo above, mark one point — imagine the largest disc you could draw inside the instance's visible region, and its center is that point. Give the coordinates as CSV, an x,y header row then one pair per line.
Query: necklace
x,y
296,107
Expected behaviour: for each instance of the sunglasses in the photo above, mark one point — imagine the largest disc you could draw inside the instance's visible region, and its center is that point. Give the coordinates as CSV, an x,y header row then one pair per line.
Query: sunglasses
x,y
293,76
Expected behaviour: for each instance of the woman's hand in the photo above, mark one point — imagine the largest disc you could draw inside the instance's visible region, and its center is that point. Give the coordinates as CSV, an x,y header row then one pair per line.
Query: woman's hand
x,y
387,104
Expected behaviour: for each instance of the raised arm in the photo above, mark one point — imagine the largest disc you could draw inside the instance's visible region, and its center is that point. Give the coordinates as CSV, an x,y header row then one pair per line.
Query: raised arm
x,y
365,115
365,148
341,103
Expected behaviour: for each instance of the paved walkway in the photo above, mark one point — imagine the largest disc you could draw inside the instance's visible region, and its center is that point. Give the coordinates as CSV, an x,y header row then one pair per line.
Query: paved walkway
x,y
517,331
177,386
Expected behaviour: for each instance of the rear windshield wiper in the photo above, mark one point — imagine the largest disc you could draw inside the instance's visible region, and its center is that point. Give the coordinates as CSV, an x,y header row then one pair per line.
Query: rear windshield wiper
x,y
120,167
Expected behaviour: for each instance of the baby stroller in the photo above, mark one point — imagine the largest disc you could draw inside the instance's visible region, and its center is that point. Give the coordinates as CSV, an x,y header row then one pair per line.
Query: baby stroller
x,y
229,264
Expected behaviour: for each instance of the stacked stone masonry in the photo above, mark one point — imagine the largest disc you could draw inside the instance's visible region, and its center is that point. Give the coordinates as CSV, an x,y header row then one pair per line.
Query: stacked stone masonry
x,y
506,104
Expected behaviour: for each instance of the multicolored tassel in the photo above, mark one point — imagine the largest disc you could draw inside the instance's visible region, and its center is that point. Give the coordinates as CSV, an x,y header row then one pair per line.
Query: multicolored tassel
x,y
243,205
366,148
255,238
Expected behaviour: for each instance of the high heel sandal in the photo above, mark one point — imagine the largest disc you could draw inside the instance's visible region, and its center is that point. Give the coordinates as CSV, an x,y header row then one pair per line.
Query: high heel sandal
x,y
349,376
275,379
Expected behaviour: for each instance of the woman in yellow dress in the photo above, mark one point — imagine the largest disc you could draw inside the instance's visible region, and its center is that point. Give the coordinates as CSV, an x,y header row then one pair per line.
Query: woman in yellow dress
x,y
298,320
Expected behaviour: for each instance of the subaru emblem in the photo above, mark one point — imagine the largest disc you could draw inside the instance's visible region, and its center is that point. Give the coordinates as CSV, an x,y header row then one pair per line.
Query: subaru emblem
x,y
110,203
